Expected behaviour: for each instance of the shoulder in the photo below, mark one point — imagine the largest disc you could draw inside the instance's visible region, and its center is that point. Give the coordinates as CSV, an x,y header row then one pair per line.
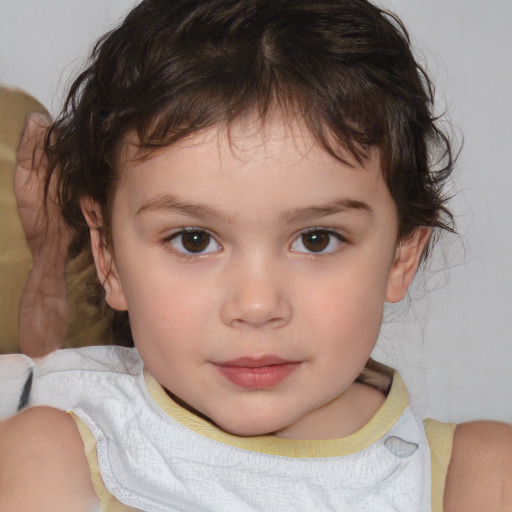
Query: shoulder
x,y
480,472
43,465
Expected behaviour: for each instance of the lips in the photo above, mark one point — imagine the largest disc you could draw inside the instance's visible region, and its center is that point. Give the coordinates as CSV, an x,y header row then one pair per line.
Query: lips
x,y
257,373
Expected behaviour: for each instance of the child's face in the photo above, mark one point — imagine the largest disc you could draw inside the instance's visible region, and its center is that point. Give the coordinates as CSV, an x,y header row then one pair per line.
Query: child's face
x,y
255,274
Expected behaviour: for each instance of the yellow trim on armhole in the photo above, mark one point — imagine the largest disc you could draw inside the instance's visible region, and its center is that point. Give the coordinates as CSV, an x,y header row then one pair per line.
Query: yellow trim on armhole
x,y
108,502
440,439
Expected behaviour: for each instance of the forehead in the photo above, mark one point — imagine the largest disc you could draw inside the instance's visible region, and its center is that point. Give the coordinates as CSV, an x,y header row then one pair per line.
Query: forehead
x,y
273,163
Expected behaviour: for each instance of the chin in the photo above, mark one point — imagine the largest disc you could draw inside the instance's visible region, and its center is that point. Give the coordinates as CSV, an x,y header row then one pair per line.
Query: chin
x,y
248,428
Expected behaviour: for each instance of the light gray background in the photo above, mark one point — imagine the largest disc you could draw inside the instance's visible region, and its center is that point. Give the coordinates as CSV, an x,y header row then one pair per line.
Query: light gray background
x,y
453,344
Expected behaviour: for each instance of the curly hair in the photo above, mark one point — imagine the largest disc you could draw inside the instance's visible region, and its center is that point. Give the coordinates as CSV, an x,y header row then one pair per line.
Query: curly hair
x,y
345,68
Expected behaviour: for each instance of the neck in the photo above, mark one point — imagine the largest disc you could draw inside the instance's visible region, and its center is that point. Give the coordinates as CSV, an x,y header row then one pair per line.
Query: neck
x,y
339,418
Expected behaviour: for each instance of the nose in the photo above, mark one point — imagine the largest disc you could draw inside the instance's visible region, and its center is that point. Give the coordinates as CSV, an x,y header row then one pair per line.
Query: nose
x,y
256,297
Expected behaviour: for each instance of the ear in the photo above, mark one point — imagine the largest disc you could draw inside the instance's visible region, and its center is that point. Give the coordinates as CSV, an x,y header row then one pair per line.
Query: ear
x,y
407,258
103,259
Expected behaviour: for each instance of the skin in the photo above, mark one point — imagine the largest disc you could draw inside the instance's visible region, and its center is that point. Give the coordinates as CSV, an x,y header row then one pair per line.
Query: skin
x,y
43,465
255,290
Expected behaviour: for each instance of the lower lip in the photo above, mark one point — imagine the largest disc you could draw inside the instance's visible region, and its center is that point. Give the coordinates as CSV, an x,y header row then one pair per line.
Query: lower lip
x,y
258,377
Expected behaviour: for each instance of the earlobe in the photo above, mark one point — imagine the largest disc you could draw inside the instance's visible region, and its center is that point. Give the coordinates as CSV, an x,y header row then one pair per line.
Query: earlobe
x,y
407,258
105,264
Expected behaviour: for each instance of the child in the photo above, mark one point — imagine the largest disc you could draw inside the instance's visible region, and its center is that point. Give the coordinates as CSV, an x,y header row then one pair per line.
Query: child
x,y
256,180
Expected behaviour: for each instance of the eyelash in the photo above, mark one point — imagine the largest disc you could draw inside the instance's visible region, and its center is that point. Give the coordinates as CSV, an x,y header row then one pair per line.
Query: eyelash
x,y
299,238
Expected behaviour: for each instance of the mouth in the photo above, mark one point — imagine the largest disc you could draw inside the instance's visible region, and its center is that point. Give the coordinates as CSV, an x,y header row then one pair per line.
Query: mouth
x,y
257,373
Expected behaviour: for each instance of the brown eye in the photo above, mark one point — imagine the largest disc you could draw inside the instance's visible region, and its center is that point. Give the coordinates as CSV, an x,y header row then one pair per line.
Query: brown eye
x,y
316,241
194,241
319,241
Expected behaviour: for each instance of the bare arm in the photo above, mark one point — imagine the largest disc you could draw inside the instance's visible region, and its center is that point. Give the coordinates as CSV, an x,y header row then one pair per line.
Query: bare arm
x,y
43,465
480,472
44,311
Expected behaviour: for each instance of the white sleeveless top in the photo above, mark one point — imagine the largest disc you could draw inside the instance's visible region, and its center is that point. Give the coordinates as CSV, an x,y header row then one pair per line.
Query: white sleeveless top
x,y
155,456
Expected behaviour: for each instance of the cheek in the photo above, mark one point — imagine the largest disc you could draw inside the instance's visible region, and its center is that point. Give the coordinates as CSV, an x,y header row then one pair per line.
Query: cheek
x,y
347,310
166,307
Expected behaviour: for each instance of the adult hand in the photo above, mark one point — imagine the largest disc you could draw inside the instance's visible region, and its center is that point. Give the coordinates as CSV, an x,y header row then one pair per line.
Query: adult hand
x,y
44,311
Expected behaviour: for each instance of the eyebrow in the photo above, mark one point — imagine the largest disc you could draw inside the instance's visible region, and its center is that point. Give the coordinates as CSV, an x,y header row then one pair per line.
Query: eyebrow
x,y
171,204
339,206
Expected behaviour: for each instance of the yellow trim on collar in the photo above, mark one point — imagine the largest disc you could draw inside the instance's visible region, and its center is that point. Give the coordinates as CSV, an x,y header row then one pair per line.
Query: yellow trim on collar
x,y
393,407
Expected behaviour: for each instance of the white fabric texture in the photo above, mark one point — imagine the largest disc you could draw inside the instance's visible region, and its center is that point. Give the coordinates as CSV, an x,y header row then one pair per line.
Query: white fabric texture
x,y
152,462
